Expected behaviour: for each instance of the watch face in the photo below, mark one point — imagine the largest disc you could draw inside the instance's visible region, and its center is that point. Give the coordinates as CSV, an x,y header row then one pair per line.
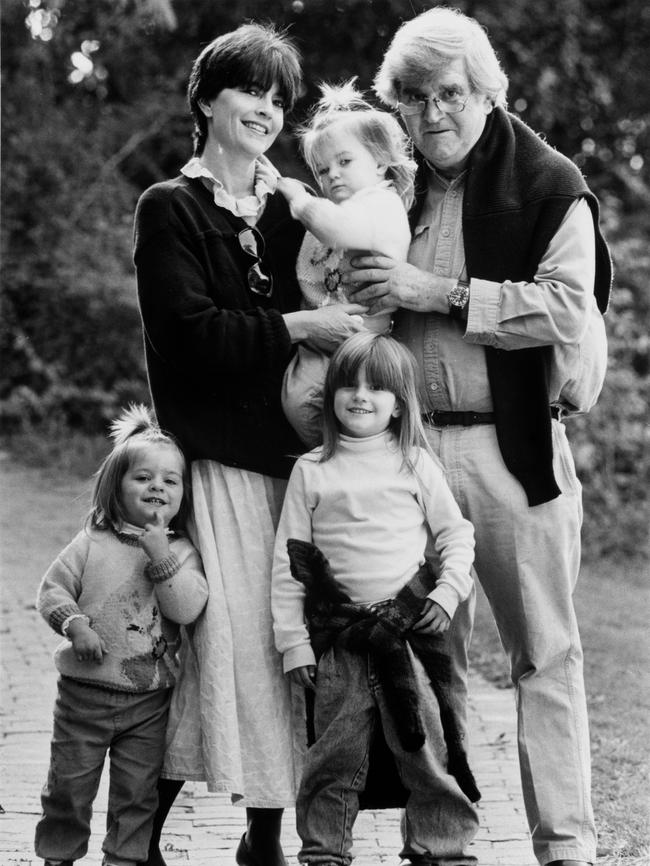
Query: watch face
x,y
458,296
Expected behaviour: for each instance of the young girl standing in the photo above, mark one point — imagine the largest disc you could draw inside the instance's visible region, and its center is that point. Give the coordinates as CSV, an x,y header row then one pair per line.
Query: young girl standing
x,y
349,558
360,158
118,593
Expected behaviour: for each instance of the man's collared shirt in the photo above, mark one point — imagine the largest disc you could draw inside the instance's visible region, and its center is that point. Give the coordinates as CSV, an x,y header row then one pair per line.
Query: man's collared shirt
x,y
552,309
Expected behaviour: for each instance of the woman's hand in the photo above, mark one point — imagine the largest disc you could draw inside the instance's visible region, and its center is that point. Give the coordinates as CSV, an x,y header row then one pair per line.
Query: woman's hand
x,y
304,676
326,327
434,619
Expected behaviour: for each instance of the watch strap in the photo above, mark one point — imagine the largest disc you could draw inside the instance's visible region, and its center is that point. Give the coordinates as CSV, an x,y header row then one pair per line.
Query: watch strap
x,y
457,299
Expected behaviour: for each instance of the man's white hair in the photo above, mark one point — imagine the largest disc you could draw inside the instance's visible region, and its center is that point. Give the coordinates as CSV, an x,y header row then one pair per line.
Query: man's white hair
x,y
425,45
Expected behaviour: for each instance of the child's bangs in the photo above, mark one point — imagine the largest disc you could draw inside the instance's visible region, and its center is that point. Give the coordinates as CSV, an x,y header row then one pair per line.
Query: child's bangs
x,y
380,370
311,146
346,373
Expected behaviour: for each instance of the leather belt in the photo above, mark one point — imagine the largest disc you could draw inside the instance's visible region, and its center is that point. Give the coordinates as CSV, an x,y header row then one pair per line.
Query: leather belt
x,y
467,419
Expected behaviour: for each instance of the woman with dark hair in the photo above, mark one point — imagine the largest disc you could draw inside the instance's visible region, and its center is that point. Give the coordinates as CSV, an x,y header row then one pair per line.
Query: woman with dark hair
x,y
215,252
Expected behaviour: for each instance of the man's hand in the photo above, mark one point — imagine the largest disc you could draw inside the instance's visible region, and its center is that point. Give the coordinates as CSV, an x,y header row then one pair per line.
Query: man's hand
x,y
382,283
434,619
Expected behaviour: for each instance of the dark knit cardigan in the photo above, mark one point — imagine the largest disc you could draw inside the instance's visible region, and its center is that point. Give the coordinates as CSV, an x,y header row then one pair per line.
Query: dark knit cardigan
x,y
517,192
385,633
216,352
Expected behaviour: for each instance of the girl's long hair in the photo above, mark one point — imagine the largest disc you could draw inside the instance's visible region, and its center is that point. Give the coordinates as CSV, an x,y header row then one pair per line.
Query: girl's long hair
x,y
343,106
135,430
386,364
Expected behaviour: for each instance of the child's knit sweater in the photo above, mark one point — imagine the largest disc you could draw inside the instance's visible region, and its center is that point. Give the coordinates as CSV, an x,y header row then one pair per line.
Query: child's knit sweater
x,y
133,606
372,220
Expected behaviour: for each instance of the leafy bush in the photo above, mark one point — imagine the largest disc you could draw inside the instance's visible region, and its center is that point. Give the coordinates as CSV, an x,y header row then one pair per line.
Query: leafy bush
x,y
77,153
70,340
610,444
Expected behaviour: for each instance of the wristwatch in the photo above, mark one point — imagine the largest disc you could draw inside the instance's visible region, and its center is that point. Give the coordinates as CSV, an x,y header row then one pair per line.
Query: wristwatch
x,y
458,299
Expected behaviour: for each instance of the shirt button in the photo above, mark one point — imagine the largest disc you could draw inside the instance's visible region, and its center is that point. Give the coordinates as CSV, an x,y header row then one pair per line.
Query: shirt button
x,y
434,386
445,233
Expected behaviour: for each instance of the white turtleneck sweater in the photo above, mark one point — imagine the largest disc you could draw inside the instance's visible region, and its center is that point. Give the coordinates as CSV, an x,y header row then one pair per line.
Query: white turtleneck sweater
x,y
370,516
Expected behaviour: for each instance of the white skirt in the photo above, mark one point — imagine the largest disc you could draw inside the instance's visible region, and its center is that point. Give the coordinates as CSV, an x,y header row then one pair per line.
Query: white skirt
x,y
233,723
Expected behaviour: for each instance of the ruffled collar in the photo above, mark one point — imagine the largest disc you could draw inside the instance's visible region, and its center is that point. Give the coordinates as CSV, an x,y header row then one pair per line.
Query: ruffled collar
x,y
248,207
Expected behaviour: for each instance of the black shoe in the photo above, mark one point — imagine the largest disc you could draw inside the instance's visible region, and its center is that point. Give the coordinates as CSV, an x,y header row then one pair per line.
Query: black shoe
x,y
154,858
60,863
244,856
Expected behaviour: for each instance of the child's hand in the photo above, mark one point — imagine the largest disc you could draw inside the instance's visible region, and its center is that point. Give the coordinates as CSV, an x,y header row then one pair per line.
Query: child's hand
x,y
434,619
154,540
86,643
290,188
304,676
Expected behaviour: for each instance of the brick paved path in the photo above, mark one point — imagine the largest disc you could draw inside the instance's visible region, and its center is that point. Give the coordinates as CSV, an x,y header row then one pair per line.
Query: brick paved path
x,y
203,829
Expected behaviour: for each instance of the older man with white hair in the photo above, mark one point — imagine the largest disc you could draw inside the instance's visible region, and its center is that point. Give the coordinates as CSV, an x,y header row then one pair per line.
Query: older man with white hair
x,y
507,275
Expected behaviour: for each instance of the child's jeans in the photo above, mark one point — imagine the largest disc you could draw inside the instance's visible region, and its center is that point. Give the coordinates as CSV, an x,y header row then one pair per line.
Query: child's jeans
x,y
439,821
88,720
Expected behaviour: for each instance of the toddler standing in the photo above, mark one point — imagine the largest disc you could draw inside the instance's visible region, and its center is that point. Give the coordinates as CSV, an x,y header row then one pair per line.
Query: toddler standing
x,y
118,593
359,616
360,158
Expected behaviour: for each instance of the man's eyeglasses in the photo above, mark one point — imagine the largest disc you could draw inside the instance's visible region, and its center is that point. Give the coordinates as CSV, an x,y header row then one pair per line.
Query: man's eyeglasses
x,y
252,243
417,104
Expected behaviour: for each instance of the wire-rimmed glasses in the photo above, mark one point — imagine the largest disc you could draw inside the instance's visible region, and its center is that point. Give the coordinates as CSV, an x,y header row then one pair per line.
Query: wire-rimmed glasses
x,y
417,104
252,242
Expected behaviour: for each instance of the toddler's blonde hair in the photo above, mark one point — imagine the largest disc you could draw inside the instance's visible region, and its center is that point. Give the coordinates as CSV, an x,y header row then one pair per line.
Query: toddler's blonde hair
x,y
135,429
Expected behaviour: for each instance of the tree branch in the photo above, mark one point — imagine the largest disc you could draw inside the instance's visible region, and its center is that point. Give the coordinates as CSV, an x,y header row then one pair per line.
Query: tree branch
x,y
131,144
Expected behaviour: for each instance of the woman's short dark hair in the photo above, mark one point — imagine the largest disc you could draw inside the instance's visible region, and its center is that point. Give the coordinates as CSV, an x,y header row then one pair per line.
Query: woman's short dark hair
x,y
253,54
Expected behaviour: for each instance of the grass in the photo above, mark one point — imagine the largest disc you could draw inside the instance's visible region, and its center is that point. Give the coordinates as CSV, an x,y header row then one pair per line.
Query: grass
x,y
612,602
56,451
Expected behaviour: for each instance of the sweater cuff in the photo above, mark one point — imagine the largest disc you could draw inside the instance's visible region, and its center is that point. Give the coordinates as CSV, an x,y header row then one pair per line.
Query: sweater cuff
x,y
277,340
163,570
298,657
447,597
300,205
59,616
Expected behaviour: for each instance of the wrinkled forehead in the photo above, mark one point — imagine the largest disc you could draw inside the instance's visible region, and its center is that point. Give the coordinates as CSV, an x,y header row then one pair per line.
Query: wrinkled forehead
x,y
439,72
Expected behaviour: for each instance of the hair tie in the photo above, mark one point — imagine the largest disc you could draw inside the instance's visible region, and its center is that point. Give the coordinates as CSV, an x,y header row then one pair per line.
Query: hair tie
x,y
340,97
136,419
